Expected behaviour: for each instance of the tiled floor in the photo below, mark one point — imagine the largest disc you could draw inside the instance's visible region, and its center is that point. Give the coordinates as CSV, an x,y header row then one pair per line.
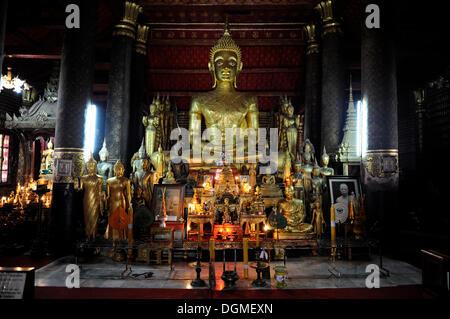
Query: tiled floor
x,y
303,273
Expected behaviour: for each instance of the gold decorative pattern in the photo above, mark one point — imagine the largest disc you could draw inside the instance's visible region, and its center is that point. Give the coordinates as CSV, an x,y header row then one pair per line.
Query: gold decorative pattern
x,y
312,46
75,155
329,23
141,39
127,26
382,163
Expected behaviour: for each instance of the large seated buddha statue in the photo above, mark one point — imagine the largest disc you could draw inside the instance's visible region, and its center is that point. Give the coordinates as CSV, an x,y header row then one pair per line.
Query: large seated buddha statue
x,y
224,106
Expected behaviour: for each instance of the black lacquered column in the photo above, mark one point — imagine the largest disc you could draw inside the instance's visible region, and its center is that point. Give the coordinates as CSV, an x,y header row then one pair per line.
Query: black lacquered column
x,y
138,70
3,11
333,80
117,117
312,86
74,95
379,95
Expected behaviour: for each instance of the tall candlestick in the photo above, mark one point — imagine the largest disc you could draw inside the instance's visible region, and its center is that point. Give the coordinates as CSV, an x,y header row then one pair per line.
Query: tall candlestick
x,y
212,250
257,235
245,252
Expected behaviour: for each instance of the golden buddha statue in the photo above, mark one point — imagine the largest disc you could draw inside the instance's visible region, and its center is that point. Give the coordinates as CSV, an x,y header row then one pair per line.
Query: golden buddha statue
x,y
287,169
158,161
317,219
169,178
91,184
118,195
299,181
224,107
252,176
147,183
104,168
47,157
152,125
293,210
290,129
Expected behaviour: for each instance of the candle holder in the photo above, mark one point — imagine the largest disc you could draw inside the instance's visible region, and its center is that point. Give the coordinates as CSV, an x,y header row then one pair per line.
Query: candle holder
x,y
37,248
229,277
260,266
198,282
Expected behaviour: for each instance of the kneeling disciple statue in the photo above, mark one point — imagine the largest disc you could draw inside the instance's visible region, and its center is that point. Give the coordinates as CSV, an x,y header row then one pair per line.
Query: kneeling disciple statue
x,y
293,210
91,184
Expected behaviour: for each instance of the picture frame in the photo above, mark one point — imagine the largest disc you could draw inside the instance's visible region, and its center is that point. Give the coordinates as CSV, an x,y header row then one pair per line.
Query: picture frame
x,y
334,183
174,200
64,167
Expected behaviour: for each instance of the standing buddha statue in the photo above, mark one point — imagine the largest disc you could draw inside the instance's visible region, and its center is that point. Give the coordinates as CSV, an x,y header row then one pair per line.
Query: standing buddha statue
x,y
152,125
299,181
158,162
224,107
92,185
118,195
47,158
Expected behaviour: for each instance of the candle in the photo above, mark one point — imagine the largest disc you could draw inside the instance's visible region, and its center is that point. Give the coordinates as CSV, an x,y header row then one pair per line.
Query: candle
x,y
333,230
257,235
245,248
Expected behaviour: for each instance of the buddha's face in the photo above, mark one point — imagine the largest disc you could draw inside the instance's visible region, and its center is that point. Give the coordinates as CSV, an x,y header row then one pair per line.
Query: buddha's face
x,y
102,157
298,167
141,153
225,66
152,109
119,170
325,160
290,110
91,168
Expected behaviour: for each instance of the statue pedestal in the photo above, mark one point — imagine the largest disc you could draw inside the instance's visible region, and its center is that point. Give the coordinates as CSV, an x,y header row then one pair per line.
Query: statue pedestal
x,y
292,235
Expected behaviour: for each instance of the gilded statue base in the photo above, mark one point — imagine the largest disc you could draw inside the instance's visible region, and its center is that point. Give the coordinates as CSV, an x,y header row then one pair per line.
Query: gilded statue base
x,y
292,235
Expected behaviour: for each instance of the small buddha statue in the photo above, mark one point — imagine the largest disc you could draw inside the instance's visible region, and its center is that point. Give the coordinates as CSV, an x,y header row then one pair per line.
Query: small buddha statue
x,y
207,186
325,170
290,128
92,185
224,106
158,162
226,219
252,176
317,184
136,161
307,167
245,187
169,178
147,183
287,169
118,195
299,180
293,210
105,169
152,125
318,221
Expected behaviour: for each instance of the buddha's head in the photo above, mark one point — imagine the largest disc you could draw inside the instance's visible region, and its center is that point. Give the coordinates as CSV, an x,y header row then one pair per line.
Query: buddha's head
x,y
91,166
290,110
50,144
225,60
103,153
289,192
298,166
141,151
325,158
153,108
159,149
119,169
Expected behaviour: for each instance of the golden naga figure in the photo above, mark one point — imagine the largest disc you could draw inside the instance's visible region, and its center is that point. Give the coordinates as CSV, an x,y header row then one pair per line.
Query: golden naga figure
x,y
93,198
293,210
224,107
118,195
152,125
